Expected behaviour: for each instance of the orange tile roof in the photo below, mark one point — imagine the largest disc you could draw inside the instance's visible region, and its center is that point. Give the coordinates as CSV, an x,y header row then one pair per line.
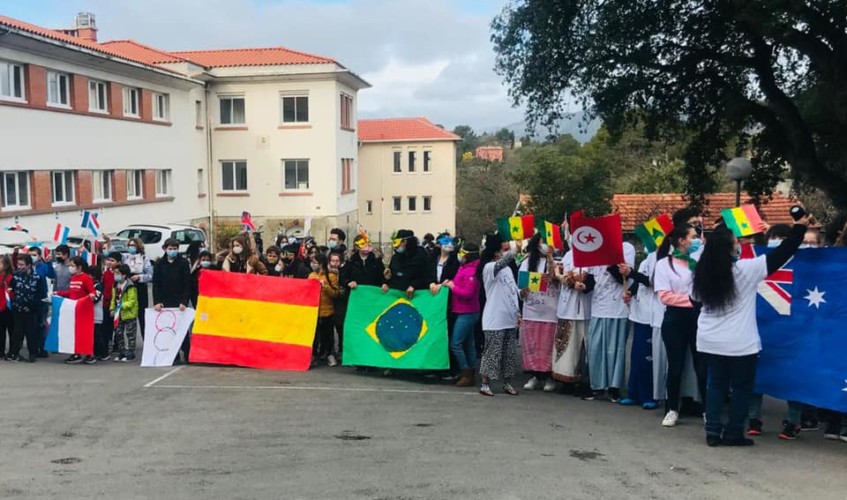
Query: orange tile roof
x,y
270,56
638,208
141,52
403,129
72,40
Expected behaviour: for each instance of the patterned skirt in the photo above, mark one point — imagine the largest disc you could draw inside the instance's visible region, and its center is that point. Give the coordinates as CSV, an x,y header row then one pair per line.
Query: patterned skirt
x,y
568,347
537,339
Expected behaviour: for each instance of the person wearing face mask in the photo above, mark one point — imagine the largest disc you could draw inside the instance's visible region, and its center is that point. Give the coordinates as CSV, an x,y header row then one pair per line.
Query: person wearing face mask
x,y
538,328
141,273
672,282
776,234
45,271
172,284
444,266
812,239
465,306
124,310
25,288
727,334
61,255
336,240
336,266
408,269
324,338
81,287
272,262
107,328
238,259
204,261
363,268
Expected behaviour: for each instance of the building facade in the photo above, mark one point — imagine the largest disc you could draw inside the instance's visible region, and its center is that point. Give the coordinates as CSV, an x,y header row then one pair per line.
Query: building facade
x,y
192,136
407,177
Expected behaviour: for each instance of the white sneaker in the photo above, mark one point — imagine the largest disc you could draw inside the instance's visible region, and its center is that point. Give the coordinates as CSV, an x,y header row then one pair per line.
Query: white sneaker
x,y
670,419
550,385
532,384
331,361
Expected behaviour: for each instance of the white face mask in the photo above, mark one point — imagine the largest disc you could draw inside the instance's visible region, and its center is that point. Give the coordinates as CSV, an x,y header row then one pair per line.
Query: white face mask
x,y
544,248
774,243
448,248
237,250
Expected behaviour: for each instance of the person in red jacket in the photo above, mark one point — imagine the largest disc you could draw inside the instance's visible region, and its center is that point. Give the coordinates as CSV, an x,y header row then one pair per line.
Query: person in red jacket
x,y
6,273
81,287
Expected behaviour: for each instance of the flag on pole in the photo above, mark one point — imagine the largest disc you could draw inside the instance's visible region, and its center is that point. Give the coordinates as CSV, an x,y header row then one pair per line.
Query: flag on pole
x,y
90,258
90,222
61,234
71,327
743,221
531,281
551,234
653,232
247,221
597,241
516,228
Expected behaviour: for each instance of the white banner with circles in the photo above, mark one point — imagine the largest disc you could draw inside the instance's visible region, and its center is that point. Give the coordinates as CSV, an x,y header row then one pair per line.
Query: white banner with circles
x,y
164,332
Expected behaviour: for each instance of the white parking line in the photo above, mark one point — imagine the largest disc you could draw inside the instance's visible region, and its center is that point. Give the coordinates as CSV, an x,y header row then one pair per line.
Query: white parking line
x,y
163,377
303,388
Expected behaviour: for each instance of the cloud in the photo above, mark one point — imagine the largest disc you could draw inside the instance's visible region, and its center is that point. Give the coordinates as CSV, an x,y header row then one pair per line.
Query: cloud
x,y
423,57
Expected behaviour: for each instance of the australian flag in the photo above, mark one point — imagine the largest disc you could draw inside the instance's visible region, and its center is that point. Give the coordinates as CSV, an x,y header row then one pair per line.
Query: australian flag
x,y
802,313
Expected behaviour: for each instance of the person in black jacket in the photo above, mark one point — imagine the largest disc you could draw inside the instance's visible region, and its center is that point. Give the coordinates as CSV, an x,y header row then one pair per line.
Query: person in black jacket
x,y
363,268
171,278
445,264
409,269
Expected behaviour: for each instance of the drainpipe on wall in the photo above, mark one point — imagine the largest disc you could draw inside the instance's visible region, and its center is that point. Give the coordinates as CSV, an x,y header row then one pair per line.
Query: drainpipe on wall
x,y
210,183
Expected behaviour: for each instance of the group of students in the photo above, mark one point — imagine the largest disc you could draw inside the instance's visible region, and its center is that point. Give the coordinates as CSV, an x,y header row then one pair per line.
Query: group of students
x,y
690,307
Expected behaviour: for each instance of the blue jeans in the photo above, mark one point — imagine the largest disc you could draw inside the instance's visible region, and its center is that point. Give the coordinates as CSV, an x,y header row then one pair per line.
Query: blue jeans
x,y
734,375
463,343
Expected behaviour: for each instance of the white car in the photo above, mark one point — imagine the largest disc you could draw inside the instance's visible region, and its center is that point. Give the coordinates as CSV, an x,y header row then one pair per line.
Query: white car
x,y
154,235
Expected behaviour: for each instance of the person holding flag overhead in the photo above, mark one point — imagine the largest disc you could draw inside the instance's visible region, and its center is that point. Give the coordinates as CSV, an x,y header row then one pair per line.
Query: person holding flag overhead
x,y
727,332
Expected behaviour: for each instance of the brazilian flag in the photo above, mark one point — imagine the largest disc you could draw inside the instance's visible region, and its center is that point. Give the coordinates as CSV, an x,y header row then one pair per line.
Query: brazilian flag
x,y
387,330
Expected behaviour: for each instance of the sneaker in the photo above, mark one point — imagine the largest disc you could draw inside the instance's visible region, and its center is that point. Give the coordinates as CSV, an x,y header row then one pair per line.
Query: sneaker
x,y
532,384
627,402
843,436
117,358
73,360
650,405
591,395
810,425
129,358
713,440
754,428
670,419
449,378
614,395
739,441
14,358
550,385
89,360
789,431
832,432
331,361
104,358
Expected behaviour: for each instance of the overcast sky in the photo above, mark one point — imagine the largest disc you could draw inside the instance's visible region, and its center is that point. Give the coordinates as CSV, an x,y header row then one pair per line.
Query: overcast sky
x,y
423,57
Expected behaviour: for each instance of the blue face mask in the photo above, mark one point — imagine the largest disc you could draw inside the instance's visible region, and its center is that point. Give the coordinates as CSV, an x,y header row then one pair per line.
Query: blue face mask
x,y
132,250
172,254
205,264
696,244
118,278
400,249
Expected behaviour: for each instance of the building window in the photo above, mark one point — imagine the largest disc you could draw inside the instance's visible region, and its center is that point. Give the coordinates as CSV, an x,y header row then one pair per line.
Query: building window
x,y
63,187
101,189
397,157
413,203
412,161
232,110
346,111
163,183
346,175
370,207
201,181
427,203
11,81
131,100
161,107
98,100
234,175
296,174
427,161
398,203
198,114
58,89
134,184
15,189
295,109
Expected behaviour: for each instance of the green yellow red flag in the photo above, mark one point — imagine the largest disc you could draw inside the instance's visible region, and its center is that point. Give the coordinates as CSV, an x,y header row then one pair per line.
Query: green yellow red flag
x,y
743,221
653,232
531,281
516,228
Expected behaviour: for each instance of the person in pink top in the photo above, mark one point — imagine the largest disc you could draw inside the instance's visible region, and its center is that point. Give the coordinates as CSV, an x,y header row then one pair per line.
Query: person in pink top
x,y
464,303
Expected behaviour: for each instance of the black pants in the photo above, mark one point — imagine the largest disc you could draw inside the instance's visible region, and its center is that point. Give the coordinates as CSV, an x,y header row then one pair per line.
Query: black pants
x,y
679,333
733,376
324,338
338,323
24,326
6,326
102,335
143,304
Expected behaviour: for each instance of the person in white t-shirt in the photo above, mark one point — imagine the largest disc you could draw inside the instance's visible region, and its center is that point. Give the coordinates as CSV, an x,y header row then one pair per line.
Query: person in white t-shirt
x,y
500,316
538,328
727,333
640,385
574,313
608,327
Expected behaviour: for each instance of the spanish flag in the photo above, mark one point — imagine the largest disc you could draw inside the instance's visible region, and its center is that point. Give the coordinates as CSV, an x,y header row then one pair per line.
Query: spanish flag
x,y
516,228
653,232
743,221
255,321
531,281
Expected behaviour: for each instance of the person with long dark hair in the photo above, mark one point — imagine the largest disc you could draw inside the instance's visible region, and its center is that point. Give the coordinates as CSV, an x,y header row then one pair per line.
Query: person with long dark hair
x,y
7,271
727,333
672,280
464,303
538,328
500,315
324,335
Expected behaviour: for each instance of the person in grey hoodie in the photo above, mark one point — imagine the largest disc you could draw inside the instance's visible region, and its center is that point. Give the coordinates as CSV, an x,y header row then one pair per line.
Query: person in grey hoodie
x,y
61,256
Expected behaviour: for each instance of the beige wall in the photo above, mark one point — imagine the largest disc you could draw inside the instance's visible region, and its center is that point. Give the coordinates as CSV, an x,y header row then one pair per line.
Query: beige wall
x,y
379,184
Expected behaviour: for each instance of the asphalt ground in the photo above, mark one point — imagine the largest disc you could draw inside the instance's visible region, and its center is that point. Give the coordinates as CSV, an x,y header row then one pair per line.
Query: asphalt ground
x,y
120,431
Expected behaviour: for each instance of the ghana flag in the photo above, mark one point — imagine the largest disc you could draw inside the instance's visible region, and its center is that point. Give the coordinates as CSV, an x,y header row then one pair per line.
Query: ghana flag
x,y
743,221
255,321
516,228
386,330
653,232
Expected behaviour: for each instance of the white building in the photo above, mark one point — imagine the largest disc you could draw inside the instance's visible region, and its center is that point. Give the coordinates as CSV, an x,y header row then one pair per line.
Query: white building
x,y
189,135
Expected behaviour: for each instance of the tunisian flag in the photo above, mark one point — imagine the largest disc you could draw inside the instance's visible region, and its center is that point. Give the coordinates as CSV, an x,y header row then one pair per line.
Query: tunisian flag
x,y
596,241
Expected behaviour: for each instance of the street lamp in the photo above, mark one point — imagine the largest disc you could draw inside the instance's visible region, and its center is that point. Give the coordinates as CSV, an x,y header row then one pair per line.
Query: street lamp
x,y
738,169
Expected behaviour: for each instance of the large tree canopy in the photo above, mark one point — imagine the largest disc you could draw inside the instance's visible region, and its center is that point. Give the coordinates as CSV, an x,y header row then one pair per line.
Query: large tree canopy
x,y
769,76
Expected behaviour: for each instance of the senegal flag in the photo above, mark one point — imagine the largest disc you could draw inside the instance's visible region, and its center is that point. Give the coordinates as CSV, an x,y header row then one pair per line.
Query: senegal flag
x,y
387,330
255,321
516,228
550,233
531,281
653,232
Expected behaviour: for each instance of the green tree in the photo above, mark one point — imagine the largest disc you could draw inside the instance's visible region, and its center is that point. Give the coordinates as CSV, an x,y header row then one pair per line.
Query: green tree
x,y
768,75
505,137
484,192
469,139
